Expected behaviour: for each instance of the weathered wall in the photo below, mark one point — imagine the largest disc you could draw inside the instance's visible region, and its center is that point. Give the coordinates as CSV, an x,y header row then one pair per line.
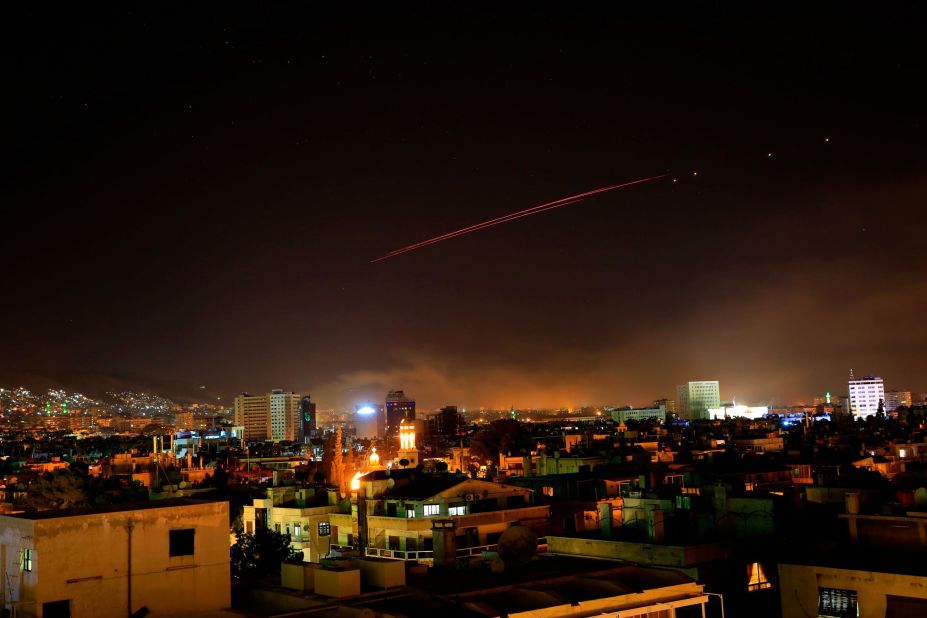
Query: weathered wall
x,y
85,559
799,585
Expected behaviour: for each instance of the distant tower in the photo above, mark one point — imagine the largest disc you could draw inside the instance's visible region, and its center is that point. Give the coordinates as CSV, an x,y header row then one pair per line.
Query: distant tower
x,y
512,412
407,448
308,418
398,408
694,399
866,395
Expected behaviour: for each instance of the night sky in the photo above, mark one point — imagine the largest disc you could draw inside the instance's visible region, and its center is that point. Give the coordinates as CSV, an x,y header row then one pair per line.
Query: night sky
x,y
193,199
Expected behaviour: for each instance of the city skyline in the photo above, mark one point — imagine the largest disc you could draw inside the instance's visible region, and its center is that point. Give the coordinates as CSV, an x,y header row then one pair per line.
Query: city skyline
x,y
201,209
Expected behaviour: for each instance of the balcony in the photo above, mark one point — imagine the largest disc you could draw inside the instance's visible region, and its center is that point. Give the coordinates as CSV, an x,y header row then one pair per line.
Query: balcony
x,y
428,555
462,521
398,554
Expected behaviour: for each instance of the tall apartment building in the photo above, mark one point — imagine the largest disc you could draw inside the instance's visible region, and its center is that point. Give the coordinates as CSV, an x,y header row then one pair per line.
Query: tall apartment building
x,y
694,399
865,395
308,414
897,399
398,407
273,416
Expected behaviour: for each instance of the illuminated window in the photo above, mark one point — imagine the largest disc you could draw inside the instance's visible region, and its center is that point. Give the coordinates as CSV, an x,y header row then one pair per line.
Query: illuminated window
x,y
180,542
837,603
297,530
325,528
410,512
548,491
432,509
27,560
457,510
756,577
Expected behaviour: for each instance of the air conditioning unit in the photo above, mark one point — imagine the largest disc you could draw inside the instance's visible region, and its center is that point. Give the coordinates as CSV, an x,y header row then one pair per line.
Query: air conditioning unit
x,y
470,497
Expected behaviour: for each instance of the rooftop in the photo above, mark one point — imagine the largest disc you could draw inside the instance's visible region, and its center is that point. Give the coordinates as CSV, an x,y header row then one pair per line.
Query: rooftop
x,y
424,486
114,508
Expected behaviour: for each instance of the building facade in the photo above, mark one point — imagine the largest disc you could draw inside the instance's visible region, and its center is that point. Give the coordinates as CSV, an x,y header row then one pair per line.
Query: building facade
x,y
897,399
272,416
303,514
621,415
398,407
170,558
694,399
866,395
401,519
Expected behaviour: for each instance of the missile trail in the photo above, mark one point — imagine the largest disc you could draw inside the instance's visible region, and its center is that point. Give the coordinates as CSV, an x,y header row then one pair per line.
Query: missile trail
x,y
527,212
516,215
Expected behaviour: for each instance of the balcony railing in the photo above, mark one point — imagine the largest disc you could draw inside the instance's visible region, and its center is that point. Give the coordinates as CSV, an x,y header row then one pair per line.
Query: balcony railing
x,y
398,554
427,554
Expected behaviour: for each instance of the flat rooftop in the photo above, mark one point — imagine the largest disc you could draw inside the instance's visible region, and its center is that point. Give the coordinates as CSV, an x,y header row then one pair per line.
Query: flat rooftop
x,y
114,508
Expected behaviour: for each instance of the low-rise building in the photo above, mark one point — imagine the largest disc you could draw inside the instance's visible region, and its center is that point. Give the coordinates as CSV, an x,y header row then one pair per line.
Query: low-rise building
x,y
303,514
170,557
396,520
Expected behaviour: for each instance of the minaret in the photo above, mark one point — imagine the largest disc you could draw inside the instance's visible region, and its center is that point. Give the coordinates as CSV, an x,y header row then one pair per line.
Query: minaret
x,y
407,448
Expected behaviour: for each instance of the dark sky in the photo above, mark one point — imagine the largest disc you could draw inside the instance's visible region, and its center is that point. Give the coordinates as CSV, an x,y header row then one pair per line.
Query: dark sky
x,y
193,198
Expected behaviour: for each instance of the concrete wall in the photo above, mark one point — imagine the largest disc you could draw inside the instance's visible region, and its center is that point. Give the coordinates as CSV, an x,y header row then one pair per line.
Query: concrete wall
x,y
298,576
84,559
639,553
799,588
337,583
382,573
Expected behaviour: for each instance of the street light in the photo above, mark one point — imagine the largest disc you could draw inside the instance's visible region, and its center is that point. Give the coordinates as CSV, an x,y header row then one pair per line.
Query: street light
x,y
720,596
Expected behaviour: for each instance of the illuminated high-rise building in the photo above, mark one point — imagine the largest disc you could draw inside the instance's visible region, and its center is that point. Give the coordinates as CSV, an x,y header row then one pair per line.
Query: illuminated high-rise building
x,y
866,394
694,399
897,399
273,416
398,407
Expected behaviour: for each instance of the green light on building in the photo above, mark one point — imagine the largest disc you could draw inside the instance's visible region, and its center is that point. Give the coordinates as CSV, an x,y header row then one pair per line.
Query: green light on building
x,y
827,397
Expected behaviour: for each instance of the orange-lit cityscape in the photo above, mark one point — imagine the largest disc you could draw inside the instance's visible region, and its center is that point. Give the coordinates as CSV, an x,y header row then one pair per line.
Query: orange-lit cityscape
x,y
488,310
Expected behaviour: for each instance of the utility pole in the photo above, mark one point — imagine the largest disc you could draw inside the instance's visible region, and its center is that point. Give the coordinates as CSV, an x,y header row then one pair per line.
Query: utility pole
x,y
129,527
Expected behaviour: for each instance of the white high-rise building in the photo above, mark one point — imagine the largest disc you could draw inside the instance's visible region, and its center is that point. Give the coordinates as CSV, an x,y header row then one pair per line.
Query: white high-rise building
x,y
694,399
865,395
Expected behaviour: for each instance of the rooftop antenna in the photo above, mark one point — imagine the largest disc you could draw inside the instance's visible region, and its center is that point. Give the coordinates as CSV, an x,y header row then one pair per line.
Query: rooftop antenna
x,y
851,374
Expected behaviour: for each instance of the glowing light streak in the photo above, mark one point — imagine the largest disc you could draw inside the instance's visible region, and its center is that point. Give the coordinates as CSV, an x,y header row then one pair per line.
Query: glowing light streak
x,y
515,215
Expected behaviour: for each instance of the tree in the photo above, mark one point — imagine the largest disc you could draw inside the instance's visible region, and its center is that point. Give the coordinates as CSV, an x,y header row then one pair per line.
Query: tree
x,y
502,436
62,489
260,554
